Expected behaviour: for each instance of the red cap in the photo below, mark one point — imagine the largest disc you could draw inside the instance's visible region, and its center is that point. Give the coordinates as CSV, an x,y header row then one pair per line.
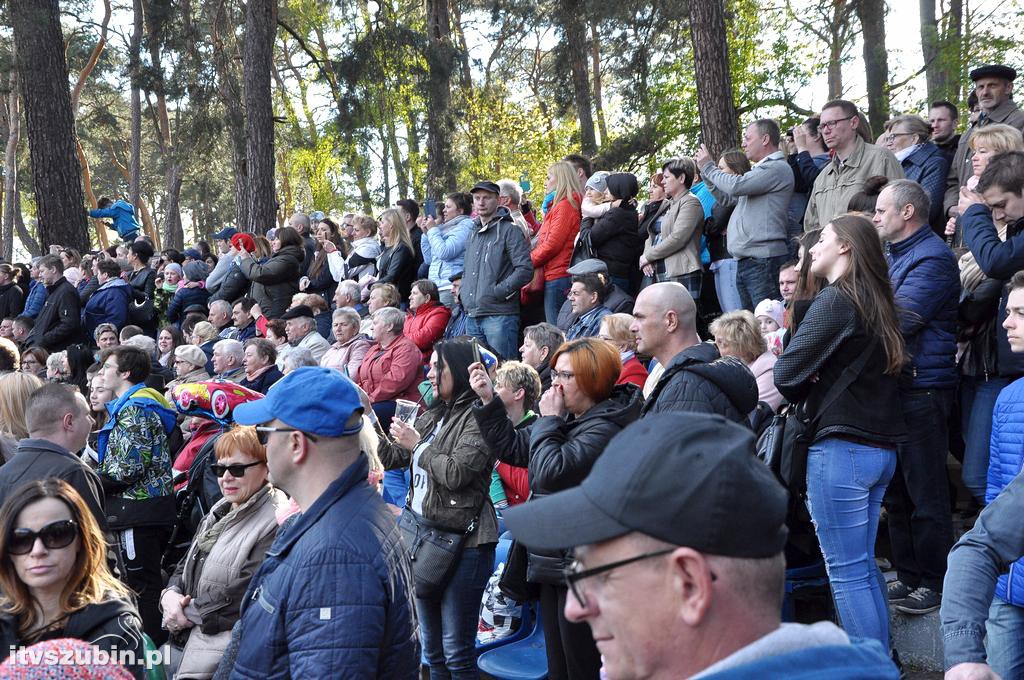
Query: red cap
x,y
243,242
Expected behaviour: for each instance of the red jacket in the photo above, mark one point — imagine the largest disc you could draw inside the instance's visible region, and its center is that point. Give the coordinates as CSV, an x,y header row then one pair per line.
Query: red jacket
x,y
555,240
516,481
426,325
393,372
633,372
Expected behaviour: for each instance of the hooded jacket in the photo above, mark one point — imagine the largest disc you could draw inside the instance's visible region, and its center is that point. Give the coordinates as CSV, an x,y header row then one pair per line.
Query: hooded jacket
x,y
275,281
426,325
59,323
183,299
444,249
497,265
700,380
123,215
109,304
562,452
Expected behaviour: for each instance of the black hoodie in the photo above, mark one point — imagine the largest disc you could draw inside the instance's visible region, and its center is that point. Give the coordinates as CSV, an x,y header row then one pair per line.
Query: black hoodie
x,y
700,380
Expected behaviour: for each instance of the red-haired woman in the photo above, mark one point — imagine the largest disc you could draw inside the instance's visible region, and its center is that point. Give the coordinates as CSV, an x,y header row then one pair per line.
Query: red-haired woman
x,y
581,411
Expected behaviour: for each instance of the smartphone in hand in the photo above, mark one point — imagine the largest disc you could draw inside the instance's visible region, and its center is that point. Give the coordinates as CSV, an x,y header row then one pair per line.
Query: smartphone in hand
x,y
430,208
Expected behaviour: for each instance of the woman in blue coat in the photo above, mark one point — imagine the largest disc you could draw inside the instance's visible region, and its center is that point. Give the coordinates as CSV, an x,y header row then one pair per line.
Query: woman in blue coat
x,y
909,138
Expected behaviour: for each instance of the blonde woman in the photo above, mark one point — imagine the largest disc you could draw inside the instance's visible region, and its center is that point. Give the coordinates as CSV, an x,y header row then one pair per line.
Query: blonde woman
x,y
985,142
557,236
15,389
397,262
738,334
615,329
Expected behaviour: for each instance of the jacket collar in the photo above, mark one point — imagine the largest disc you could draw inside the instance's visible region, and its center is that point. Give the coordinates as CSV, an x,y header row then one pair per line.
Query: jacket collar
x,y
1000,113
31,446
900,247
853,160
356,473
926,151
500,215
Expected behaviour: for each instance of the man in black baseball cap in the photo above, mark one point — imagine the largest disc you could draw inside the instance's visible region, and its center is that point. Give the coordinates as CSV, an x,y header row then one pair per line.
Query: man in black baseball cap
x,y
993,85
679,559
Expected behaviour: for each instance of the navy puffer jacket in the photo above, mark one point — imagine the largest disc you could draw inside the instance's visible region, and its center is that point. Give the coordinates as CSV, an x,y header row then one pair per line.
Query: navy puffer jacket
x,y
1006,457
926,284
333,598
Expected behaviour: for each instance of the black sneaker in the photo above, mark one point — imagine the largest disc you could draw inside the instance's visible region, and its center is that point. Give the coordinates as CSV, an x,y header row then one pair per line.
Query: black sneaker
x,y
921,601
898,591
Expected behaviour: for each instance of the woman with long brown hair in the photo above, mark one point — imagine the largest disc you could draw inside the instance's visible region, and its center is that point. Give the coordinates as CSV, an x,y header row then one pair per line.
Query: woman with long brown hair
x,y
54,576
850,335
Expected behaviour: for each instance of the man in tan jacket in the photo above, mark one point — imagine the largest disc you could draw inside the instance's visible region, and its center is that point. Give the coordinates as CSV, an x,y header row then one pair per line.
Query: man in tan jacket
x,y
853,161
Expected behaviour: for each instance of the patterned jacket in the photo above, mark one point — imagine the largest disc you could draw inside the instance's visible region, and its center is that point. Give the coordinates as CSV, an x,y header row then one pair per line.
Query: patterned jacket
x,y
133,448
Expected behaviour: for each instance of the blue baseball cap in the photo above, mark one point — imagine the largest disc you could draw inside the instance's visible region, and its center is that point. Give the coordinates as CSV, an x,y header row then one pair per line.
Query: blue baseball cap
x,y
313,399
225,234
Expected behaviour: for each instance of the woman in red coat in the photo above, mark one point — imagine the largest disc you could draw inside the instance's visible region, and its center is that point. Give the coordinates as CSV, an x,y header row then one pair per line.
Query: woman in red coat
x,y
557,236
615,329
427,318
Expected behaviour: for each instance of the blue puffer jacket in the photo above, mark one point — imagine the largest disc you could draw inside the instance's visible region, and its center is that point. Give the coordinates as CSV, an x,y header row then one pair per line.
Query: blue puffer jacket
x,y
926,283
109,304
1006,457
35,300
123,215
444,249
182,300
928,167
999,260
333,598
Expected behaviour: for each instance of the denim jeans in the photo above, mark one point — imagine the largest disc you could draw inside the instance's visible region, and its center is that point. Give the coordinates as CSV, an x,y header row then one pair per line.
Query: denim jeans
x,y
501,333
977,401
920,521
757,279
1004,639
555,293
692,281
448,625
845,485
725,284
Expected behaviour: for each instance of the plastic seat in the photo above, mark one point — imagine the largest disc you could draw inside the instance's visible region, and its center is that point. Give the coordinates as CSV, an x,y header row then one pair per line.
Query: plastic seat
x,y
800,579
523,659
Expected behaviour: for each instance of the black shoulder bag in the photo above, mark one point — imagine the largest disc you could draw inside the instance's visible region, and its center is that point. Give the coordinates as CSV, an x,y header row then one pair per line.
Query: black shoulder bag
x,y
784,443
434,552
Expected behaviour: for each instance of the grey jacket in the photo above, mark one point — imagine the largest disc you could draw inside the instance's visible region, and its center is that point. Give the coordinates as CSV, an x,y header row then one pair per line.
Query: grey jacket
x,y
758,225
497,265
975,562
960,170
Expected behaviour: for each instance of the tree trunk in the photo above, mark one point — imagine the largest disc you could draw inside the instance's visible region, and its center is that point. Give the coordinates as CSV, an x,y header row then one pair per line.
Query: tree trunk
x,y
230,92
174,235
257,54
56,176
835,71
569,17
595,55
401,174
135,74
876,65
33,246
11,165
441,58
953,47
711,71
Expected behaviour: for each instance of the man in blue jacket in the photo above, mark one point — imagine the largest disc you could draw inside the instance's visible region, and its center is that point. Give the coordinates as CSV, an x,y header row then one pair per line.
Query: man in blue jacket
x,y
334,597
669,597
123,215
926,284
109,304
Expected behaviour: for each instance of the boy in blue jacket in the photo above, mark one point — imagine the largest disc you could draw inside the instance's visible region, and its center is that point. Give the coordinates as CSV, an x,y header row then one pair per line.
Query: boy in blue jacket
x,y
123,214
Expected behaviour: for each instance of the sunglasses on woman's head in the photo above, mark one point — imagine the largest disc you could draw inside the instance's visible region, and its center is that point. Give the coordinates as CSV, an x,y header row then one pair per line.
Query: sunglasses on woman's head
x,y
54,535
237,470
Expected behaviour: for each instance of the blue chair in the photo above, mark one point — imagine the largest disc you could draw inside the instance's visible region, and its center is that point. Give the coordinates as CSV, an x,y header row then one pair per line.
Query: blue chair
x,y
524,659
799,579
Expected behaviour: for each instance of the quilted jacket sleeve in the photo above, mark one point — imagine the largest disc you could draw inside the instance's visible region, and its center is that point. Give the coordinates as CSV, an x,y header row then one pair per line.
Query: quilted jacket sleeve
x,y
997,453
924,292
998,259
562,456
509,444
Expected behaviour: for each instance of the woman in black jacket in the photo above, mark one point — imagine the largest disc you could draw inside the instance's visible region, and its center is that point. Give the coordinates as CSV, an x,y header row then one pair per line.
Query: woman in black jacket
x,y
54,575
581,411
12,300
852,456
275,281
397,262
451,474
318,278
614,234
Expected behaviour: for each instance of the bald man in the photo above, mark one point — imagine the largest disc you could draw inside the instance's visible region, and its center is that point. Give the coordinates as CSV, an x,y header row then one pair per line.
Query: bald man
x,y
696,377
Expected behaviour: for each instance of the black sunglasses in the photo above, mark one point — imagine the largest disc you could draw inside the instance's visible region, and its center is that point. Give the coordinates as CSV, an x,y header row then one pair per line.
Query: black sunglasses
x,y
54,535
263,433
237,470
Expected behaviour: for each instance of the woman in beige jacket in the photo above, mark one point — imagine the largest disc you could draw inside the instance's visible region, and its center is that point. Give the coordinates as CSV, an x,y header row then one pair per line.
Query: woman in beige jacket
x,y
674,253
203,597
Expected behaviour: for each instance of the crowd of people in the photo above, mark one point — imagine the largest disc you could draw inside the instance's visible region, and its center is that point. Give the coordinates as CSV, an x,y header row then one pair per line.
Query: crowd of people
x,y
384,394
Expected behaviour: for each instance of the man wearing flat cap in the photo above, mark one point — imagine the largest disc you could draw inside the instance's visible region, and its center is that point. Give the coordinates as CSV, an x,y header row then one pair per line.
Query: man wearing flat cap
x,y
993,85
679,565
497,265
300,325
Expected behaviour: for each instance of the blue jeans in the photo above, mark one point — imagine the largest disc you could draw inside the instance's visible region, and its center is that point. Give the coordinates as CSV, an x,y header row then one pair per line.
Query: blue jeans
x,y
501,333
757,279
448,625
845,485
725,284
555,293
692,281
977,401
1004,639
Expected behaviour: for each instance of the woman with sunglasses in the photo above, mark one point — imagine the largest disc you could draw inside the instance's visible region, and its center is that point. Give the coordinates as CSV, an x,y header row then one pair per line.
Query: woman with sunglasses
x,y
203,597
451,475
54,576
